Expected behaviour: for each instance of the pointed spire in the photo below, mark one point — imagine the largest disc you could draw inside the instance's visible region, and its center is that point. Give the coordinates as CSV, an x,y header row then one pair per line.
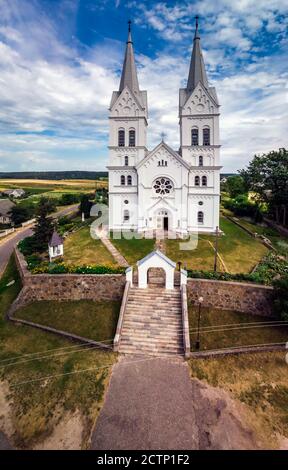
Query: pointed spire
x,y
197,72
129,72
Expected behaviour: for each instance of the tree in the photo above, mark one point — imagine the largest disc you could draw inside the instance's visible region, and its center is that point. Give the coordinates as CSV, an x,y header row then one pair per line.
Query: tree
x,y
68,198
281,297
20,214
267,176
44,225
235,186
85,205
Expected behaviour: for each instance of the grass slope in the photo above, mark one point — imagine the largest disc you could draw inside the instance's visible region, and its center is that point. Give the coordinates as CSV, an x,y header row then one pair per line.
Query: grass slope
x,y
38,405
93,320
232,337
135,249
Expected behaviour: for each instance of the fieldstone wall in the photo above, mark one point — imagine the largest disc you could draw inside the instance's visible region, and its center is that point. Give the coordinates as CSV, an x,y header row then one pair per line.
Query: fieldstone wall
x,y
239,296
68,286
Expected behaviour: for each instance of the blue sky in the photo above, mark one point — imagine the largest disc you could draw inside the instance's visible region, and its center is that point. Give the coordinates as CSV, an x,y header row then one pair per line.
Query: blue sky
x,y
60,60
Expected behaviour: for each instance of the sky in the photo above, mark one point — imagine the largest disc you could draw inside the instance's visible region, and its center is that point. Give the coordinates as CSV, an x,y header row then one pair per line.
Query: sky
x,y
60,60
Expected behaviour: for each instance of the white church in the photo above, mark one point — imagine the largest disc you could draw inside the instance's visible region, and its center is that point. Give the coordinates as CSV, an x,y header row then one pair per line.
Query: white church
x,y
177,191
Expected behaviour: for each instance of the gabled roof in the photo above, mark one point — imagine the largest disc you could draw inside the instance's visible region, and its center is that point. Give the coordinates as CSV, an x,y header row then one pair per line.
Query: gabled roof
x,y
157,253
6,206
169,149
56,239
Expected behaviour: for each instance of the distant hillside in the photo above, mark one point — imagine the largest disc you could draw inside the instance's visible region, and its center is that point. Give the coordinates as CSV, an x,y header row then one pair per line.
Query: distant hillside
x,y
55,175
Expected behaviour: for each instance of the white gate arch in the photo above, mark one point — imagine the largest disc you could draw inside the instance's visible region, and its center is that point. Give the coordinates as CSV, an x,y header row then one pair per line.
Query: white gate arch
x,y
156,259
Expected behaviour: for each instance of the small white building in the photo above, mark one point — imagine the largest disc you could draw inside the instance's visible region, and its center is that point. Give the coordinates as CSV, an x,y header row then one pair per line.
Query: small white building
x,y
55,246
15,193
163,188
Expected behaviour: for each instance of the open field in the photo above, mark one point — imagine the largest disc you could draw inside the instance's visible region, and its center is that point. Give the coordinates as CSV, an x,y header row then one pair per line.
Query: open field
x,y
225,328
27,356
68,184
81,249
93,320
238,250
258,380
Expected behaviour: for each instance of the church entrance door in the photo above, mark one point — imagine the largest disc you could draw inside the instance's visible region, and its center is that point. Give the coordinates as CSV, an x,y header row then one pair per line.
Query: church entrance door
x,y
165,223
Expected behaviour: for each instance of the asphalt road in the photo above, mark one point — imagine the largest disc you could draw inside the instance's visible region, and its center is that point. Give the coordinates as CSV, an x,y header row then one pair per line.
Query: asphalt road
x,y
7,247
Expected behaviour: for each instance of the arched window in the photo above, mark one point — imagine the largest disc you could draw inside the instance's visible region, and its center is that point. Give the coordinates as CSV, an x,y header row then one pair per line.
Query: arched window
x,y
126,215
126,160
200,217
122,180
194,136
129,180
206,136
200,161
121,138
204,180
197,180
132,138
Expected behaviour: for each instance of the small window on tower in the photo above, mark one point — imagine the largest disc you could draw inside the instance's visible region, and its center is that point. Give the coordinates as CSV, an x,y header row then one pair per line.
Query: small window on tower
x,y
126,160
129,180
121,138
132,138
195,135
197,180
204,180
206,136
200,217
126,215
122,180
200,161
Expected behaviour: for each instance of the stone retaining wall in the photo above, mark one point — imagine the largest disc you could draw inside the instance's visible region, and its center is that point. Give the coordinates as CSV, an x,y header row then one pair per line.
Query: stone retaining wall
x,y
98,287
239,296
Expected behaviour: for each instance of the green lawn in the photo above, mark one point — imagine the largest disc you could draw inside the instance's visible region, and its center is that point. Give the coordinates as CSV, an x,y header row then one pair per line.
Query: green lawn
x,y
135,249
39,405
239,251
226,337
80,249
258,380
93,320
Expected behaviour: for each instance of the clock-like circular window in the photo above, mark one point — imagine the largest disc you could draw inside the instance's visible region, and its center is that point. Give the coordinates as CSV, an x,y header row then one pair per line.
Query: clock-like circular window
x,y
163,186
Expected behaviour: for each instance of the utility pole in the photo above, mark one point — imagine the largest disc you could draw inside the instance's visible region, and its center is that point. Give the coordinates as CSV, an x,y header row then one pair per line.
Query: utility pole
x,y
216,249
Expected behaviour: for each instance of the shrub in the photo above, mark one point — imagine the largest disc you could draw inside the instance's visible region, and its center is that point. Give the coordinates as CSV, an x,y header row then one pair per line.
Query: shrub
x,y
27,246
281,297
61,268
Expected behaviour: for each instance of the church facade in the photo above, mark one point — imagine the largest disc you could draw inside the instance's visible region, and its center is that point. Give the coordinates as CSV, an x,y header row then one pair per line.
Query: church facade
x,y
177,191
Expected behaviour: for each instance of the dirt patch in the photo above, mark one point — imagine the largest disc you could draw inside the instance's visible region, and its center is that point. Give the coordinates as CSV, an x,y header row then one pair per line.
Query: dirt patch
x,y
6,426
67,435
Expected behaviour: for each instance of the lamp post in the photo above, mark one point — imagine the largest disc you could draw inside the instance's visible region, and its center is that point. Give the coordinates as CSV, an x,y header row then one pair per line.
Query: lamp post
x,y
200,300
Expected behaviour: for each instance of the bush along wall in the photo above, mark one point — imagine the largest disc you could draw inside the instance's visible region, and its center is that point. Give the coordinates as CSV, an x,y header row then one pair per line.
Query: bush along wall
x,y
62,268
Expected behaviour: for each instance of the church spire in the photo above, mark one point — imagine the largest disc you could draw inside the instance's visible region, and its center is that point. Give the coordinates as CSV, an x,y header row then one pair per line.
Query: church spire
x,y
129,72
197,72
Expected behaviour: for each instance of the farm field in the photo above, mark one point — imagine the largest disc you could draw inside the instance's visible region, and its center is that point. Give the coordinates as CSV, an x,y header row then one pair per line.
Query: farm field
x,y
68,184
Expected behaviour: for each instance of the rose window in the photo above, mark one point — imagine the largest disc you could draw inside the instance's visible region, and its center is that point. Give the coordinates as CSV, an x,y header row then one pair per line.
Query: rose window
x,y
163,186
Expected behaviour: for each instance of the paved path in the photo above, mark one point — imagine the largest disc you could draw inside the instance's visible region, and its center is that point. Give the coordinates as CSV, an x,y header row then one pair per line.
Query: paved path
x,y
148,406
7,246
152,404
114,252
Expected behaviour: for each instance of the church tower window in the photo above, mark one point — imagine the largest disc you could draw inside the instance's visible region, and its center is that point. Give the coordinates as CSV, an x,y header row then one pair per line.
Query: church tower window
x,y
132,138
204,180
121,138
200,217
206,136
195,136
129,180
122,179
200,160
126,160
126,215
197,180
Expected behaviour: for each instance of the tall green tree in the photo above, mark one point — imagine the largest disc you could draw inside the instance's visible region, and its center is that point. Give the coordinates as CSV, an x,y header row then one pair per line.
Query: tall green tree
x,y
85,205
267,176
44,225
235,186
20,214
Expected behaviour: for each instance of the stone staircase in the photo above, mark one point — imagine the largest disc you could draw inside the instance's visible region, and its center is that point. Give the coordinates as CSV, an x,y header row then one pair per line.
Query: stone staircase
x,y
152,322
